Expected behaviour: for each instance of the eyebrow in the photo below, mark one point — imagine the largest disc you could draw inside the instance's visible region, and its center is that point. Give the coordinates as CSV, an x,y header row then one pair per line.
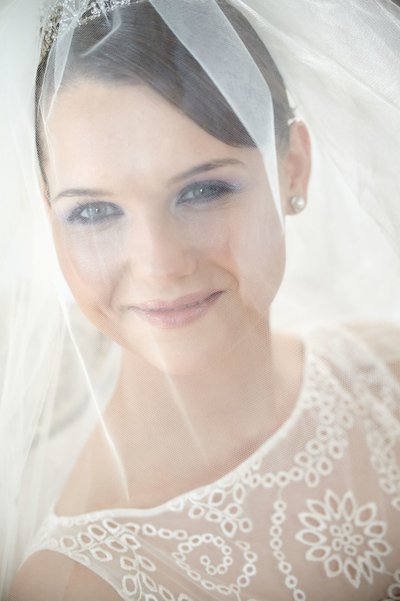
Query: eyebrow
x,y
203,168
83,192
93,193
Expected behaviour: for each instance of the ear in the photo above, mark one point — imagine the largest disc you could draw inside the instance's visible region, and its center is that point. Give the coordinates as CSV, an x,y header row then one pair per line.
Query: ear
x,y
296,165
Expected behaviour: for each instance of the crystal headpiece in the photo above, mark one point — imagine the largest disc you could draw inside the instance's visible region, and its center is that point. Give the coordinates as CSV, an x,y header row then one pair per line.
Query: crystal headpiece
x,y
63,15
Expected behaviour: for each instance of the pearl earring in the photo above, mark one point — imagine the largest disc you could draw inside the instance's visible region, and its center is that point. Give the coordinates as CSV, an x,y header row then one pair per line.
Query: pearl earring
x,y
298,204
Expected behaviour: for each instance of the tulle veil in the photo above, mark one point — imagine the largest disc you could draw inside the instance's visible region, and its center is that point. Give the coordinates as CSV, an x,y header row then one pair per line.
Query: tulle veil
x,y
339,61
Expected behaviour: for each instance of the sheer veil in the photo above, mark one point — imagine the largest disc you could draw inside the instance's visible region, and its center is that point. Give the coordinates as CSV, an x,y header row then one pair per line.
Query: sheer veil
x,y
339,62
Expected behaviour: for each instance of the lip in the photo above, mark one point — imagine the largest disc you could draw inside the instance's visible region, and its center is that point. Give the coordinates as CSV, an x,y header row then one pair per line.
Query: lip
x,y
180,303
177,313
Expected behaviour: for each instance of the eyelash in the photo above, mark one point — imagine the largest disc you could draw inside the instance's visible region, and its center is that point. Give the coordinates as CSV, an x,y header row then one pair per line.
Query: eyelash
x,y
76,214
208,191
215,189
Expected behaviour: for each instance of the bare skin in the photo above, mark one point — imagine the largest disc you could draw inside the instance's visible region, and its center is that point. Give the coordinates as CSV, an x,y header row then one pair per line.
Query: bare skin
x,y
208,393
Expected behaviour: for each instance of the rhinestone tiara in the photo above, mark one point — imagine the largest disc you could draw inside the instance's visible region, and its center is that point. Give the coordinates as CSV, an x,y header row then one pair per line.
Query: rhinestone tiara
x,y
63,15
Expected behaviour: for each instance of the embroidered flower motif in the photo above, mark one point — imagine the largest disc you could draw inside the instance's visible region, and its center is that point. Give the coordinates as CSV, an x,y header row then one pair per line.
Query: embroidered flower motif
x,y
383,444
223,506
394,589
349,540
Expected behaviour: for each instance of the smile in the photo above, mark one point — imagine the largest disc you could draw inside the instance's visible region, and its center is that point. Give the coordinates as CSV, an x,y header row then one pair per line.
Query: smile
x,y
178,313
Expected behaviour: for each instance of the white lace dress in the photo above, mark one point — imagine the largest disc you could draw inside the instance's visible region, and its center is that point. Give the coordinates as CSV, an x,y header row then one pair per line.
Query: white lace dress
x,y
315,511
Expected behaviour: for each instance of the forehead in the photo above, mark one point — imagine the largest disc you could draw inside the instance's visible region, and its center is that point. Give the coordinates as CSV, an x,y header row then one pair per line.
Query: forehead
x,y
101,129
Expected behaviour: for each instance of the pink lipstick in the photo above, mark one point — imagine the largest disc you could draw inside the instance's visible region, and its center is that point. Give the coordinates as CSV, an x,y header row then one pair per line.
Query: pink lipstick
x,y
177,313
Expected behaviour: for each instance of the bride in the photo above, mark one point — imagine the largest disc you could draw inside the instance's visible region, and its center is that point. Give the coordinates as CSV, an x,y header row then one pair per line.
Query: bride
x,y
232,458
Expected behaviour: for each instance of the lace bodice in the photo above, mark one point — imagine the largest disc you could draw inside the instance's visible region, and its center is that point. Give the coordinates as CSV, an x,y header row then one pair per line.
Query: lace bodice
x,y
316,508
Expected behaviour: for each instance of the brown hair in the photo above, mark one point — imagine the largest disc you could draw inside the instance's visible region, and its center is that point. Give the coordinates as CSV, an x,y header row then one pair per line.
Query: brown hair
x,y
143,50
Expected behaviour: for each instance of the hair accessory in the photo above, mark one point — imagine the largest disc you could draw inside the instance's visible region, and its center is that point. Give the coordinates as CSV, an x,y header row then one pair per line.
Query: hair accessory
x,y
64,14
298,204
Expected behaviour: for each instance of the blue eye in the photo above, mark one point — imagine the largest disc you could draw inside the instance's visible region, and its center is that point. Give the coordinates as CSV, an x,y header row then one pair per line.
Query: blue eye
x,y
203,192
92,213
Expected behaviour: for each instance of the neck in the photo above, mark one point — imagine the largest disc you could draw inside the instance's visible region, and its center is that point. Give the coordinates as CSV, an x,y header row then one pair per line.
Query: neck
x,y
174,434
235,402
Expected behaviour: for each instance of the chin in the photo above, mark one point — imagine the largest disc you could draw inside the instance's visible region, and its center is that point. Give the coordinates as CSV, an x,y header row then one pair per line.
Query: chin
x,y
182,353
179,365
183,360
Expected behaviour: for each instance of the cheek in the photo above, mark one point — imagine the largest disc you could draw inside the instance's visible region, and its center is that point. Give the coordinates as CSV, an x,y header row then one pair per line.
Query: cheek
x,y
86,266
243,245
210,234
257,250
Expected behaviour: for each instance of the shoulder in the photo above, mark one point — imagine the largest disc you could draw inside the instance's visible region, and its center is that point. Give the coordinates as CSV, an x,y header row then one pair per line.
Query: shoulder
x,y
51,576
382,341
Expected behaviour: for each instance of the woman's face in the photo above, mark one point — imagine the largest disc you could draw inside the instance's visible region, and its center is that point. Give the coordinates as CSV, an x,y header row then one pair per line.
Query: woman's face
x,y
167,237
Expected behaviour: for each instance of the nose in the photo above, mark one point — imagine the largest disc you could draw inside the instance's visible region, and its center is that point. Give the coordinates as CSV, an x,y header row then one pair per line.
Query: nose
x,y
159,251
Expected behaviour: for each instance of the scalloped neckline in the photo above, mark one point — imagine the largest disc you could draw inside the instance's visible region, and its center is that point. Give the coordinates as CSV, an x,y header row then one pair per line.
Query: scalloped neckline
x,y
223,480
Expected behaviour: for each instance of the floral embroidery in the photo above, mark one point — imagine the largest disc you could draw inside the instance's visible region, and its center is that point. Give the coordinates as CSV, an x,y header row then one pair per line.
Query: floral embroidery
x,y
384,443
393,591
349,540
222,505
207,548
278,519
108,541
236,539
